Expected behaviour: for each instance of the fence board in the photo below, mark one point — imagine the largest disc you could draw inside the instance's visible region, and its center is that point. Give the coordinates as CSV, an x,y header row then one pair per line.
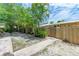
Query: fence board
x,y
69,32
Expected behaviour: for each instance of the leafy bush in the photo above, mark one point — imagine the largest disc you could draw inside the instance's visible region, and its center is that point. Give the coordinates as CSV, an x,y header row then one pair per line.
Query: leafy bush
x,y
1,30
8,28
40,32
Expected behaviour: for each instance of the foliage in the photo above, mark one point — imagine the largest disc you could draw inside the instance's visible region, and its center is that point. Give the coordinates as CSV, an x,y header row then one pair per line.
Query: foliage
x,y
22,19
1,30
40,32
51,22
2,27
9,13
39,12
60,21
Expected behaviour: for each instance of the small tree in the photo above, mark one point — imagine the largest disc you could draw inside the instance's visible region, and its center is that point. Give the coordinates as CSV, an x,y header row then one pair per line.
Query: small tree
x,y
60,21
39,14
51,22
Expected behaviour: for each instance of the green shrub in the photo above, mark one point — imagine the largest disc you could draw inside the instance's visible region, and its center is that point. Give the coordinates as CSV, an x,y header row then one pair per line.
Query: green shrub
x,y
1,30
40,32
9,28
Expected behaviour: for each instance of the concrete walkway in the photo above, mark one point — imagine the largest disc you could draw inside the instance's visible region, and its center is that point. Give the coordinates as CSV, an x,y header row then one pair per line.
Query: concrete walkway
x,y
5,45
34,48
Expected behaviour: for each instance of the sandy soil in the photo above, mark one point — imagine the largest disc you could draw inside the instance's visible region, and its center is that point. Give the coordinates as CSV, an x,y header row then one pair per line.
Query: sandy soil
x,y
60,48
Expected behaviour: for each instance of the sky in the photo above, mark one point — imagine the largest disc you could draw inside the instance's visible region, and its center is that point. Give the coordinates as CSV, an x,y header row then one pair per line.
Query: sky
x,y
62,11
66,12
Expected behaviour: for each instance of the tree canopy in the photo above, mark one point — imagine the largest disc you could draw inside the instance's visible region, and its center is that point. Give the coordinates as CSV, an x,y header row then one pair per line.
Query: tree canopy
x,y
22,18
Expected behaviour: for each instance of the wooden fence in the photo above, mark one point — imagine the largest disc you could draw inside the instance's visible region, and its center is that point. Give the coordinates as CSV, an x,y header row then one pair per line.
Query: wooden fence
x,y
66,31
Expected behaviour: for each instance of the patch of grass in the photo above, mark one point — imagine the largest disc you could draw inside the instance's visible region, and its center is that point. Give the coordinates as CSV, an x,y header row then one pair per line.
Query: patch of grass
x,y
44,50
18,44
